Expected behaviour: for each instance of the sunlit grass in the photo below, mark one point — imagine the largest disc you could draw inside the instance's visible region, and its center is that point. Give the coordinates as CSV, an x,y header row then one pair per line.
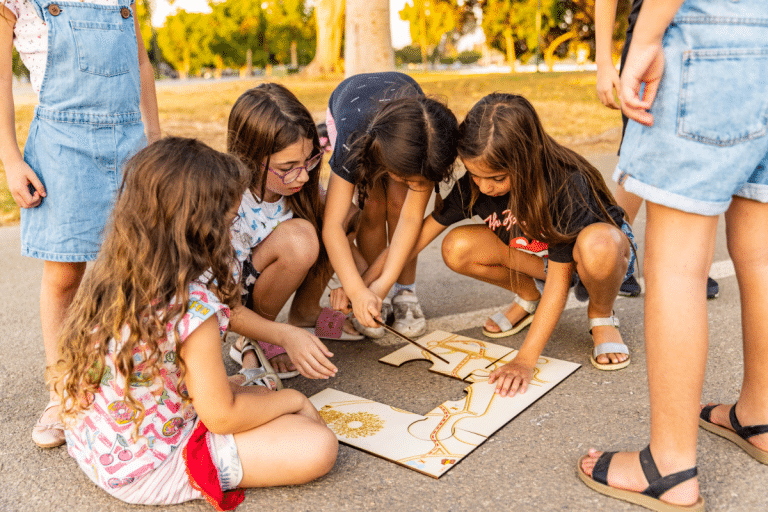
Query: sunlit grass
x,y
566,103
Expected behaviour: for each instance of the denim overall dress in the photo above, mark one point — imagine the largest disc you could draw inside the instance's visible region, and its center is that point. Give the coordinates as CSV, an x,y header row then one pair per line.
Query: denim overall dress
x,y
87,123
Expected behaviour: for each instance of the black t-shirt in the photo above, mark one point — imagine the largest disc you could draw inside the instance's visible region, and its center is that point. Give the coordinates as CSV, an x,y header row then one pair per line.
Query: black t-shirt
x,y
494,211
353,104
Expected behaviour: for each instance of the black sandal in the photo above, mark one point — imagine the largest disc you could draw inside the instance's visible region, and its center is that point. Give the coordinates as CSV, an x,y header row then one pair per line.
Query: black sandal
x,y
648,498
739,435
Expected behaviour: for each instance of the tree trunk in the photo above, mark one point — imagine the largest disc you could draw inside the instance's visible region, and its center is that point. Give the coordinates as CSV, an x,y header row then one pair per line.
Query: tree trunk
x,y
329,18
368,43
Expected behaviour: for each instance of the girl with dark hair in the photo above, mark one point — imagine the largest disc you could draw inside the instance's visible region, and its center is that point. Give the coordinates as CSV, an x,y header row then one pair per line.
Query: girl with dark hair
x,y
537,199
276,233
391,145
149,413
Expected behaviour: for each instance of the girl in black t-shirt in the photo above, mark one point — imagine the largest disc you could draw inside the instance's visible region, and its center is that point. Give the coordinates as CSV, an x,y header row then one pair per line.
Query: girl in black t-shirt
x,y
557,197
531,193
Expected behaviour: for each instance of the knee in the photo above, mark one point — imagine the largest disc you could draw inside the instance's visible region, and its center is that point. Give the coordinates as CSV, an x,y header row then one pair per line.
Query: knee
x,y
325,448
600,250
63,277
456,250
298,243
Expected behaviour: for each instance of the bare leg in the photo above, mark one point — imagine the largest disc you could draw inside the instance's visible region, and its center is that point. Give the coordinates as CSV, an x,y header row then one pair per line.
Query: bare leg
x,y
396,193
283,258
602,254
628,201
372,232
289,450
60,282
676,343
750,258
477,252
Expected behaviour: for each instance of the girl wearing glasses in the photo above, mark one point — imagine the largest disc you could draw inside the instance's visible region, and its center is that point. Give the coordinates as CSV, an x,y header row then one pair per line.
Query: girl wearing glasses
x,y
276,232
391,144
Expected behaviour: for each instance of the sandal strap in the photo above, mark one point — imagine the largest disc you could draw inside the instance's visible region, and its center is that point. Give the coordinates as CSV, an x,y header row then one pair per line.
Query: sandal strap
x,y
745,432
658,484
597,322
600,471
502,321
528,305
610,348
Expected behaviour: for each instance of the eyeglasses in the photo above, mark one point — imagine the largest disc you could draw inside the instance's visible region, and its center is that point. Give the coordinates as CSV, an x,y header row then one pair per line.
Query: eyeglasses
x,y
292,175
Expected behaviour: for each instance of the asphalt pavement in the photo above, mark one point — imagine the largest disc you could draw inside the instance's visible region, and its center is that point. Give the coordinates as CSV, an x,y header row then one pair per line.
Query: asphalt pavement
x,y
530,464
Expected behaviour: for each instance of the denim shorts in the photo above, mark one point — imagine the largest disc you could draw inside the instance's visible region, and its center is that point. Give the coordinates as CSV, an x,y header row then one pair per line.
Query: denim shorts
x,y
708,142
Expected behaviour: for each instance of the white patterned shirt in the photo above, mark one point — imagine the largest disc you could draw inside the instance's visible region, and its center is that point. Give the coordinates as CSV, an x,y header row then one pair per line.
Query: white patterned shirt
x,y
30,37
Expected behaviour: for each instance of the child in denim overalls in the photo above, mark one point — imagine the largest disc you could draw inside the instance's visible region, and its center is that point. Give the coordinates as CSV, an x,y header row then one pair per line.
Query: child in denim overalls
x,y
94,82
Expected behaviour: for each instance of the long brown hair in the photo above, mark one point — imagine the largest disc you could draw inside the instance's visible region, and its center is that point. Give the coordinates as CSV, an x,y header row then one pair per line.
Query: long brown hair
x,y
410,136
169,227
504,132
265,120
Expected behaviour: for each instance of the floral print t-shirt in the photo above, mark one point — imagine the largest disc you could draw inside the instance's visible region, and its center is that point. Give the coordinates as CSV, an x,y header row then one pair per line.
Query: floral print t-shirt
x,y
104,440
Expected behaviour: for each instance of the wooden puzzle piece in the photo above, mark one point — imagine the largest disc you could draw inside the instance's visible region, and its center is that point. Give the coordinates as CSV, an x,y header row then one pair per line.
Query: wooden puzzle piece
x,y
435,442
470,358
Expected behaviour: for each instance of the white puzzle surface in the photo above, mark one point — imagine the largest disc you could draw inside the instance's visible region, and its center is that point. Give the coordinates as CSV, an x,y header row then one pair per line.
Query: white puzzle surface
x,y
435,442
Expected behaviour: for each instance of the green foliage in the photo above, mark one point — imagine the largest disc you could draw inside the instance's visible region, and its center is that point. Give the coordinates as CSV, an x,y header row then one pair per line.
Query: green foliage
x,y
468,57
408,55
191,42
429,21
19,69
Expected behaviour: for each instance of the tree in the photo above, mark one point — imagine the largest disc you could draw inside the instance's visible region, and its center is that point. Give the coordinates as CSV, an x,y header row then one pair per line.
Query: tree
x,y
185,41
429,21
368,46
329,22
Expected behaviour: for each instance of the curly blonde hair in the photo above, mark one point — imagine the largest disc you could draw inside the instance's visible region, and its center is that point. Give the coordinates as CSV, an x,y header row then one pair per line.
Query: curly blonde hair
x,y
170,226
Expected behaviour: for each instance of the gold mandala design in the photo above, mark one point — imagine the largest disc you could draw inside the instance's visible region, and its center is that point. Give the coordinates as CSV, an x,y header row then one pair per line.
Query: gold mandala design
x,y
352,425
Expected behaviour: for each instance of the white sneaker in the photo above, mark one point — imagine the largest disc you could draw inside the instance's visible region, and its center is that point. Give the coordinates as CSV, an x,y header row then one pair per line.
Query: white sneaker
x,y
378,331
409,319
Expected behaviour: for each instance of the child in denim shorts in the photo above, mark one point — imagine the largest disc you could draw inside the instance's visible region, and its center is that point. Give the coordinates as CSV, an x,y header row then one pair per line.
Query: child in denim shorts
x,y
695,85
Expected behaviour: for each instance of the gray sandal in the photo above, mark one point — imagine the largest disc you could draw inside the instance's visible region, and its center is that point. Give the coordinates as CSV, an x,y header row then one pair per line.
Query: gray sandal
x,y
505,326
607,348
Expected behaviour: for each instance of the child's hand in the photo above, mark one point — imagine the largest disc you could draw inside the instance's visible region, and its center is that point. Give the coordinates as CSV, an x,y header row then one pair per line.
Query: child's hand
x,y
339,300
366,306
308,353
511,377
20,176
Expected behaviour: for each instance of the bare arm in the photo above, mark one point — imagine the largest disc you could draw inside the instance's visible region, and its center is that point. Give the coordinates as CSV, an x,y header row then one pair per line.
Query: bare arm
x,y
365,303
220,409
607,76
404,240
518,373
645,61
148,101
430,230
18,174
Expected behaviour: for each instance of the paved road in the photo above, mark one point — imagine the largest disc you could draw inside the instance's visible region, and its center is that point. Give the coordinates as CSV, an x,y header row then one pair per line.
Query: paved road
x,y
527,465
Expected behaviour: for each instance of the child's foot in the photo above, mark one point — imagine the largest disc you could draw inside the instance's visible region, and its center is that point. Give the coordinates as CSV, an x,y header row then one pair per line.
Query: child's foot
x,y
609,351
514,314
625,472
513,320
409,318
48,432
719,416
281,363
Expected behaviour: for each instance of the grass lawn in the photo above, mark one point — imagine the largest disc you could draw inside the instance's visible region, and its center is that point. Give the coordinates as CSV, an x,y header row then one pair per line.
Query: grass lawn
x,y
566,103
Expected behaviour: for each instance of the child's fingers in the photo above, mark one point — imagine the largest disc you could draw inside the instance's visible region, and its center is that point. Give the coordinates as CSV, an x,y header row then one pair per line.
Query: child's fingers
x,y
35,181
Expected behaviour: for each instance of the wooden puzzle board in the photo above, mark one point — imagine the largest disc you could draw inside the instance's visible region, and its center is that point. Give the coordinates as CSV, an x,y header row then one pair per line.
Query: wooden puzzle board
x,y
435,442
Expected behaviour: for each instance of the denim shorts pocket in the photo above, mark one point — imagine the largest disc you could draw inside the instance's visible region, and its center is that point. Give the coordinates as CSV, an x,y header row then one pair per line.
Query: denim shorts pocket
x,y
715,107
100,47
